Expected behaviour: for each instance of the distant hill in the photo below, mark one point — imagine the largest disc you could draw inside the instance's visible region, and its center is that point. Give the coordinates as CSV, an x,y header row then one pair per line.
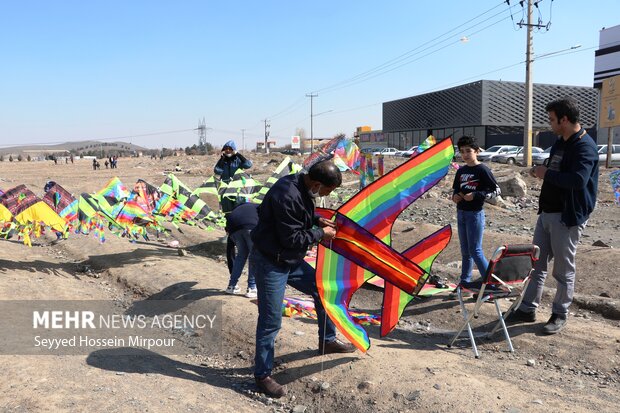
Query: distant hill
x,y
77,148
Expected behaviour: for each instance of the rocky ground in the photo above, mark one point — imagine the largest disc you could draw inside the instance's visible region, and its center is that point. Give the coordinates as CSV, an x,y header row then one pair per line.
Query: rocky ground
x,y
412,369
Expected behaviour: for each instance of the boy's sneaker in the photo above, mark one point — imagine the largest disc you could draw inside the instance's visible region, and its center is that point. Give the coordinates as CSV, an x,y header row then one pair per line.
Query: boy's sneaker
x,y
233,289
252,293
518,316
555,324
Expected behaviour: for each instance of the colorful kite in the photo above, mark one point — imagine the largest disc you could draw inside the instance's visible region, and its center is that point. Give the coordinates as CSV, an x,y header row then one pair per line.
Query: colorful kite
x,y
286,167
428,142
63,203
29,214
177,190
362,248
343,152
347,156
295,307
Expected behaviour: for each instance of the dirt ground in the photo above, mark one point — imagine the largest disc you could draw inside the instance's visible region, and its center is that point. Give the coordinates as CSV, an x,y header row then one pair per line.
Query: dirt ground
x,y
412,369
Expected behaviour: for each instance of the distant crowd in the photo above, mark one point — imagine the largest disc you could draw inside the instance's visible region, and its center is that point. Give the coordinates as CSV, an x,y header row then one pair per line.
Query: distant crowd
x,y
111,162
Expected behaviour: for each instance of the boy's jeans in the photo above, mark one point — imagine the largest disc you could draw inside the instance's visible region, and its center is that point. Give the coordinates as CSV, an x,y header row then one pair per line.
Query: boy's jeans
x,y
471,229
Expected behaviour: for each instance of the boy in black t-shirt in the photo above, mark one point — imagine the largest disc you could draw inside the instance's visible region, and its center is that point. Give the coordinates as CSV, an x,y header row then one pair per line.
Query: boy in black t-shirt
x,y
473,184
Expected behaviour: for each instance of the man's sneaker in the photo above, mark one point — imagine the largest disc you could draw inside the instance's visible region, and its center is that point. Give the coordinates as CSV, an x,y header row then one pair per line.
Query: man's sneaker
x,y
518,316
454,295
270,387
233,289
335,346
252,293
555,324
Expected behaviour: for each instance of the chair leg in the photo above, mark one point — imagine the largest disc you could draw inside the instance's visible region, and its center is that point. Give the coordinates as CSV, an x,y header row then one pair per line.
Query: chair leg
x,y
503,324
499,324
467,316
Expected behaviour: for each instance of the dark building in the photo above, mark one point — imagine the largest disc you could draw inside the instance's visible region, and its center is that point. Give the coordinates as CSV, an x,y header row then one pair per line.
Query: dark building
x,y
492,111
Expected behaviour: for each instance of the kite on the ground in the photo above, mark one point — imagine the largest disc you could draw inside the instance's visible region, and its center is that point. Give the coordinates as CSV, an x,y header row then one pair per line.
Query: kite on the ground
x,y
295,307
362,247
177,190
161,205
30,215
63,203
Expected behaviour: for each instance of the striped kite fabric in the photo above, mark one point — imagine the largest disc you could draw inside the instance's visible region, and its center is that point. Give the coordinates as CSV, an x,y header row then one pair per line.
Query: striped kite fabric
x,y
362,249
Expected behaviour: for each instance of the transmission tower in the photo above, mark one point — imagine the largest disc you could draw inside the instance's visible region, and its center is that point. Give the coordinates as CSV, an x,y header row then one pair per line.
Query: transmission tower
x,y
202,132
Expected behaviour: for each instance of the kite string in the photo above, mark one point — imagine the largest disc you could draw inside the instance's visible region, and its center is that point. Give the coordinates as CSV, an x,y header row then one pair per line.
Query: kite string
x,y
323,350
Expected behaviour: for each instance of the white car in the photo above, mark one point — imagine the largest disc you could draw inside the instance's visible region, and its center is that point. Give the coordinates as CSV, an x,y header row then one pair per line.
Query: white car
x,y
386,152
495,150
408,152
541,158
516,156
602,154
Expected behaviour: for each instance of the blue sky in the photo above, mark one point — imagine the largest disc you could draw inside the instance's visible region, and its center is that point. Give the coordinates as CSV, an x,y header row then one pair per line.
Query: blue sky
x,y
147,71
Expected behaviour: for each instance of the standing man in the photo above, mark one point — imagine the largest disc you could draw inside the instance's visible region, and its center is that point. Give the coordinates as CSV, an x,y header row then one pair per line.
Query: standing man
x,y
287,226
230,161
225,168
567,197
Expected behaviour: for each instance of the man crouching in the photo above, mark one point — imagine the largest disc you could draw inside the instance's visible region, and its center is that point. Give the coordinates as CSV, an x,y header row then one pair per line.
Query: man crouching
x,y
285,230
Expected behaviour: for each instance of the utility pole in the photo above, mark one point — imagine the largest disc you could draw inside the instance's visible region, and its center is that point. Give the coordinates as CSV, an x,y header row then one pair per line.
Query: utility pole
x,y
267,125
529,86
311,96
243,139
529,90
202,133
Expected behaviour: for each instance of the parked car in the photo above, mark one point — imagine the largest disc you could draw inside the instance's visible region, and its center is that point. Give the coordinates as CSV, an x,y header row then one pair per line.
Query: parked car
x,y
495,150
369,150
515,156
408,152
541,158
602,153
288,151
386,152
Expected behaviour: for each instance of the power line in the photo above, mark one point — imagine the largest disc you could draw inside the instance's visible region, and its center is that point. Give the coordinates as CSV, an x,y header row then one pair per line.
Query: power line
x,y
406,58
417,58
388,63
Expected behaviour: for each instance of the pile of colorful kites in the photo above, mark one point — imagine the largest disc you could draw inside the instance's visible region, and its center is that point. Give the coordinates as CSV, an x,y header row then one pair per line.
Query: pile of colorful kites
x,y
124,212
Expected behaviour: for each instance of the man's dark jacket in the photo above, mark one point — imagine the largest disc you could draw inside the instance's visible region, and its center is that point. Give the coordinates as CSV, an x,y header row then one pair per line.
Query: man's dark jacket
x,y
577,178
285,224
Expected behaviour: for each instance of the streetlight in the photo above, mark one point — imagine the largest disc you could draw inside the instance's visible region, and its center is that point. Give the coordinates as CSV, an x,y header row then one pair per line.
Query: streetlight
x,y
312,116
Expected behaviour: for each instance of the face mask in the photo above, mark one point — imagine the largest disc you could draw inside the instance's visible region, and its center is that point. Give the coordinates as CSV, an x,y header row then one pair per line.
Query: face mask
x,y
314,194
228,155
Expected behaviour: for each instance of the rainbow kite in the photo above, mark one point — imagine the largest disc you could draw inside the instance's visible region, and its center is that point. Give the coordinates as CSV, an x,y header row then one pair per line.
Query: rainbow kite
x,y
362,247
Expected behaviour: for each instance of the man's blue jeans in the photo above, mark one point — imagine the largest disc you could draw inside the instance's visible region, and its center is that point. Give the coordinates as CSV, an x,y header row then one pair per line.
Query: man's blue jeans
x,y
471,229
243,242
271,280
